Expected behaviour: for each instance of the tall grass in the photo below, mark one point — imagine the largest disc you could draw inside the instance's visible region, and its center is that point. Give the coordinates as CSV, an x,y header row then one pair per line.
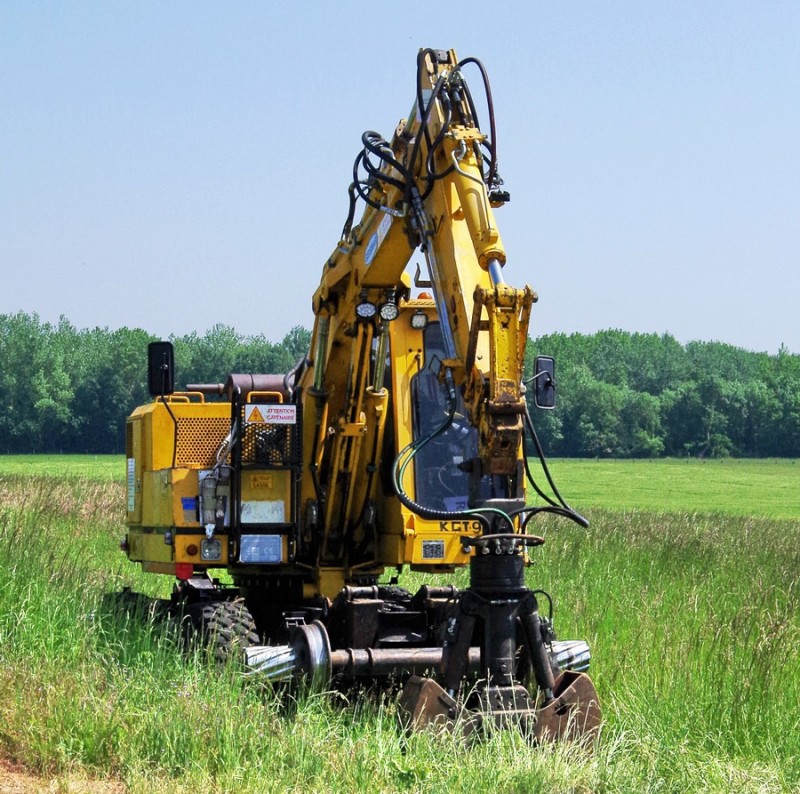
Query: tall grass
x,y
692,618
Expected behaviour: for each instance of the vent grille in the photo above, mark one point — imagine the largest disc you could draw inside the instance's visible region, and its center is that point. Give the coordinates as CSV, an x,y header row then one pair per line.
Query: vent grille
x,y
265,444
199,439
268,445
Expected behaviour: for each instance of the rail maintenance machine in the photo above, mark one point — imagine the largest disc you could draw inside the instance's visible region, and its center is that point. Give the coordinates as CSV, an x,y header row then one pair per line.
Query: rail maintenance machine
x,y
397,442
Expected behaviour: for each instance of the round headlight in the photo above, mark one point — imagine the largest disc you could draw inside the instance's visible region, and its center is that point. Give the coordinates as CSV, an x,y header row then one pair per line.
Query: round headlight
x,y
366,310
389,311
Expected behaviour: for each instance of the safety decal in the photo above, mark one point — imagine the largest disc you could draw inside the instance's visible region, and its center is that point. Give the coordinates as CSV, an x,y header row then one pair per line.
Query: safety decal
x,y
279,414
253,415
377,239
271,414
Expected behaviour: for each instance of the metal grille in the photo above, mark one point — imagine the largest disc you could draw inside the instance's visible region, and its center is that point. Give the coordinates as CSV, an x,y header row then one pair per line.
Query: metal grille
x,y
266,444
199,438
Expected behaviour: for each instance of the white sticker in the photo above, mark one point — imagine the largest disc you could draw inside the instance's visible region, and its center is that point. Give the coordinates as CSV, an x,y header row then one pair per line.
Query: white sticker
x,y
261,548
131,484
432,549
264,512
271,414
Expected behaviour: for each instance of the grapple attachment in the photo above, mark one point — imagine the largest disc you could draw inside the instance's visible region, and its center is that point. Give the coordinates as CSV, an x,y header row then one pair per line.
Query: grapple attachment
x,y
494,639
573,714
574,711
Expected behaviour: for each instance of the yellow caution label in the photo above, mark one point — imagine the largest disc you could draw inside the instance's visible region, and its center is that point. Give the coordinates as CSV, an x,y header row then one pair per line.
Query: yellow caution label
x,y
261,480
254,415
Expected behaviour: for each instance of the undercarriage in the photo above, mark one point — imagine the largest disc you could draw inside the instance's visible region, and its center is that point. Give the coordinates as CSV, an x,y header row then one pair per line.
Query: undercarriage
x,y
463,658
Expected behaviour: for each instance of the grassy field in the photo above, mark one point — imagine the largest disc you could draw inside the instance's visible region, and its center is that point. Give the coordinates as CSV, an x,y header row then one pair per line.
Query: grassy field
x,y
767,488
690,601
100,468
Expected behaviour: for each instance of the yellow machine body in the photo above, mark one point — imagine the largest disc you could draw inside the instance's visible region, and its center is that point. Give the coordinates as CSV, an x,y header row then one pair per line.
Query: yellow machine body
x,y
172,443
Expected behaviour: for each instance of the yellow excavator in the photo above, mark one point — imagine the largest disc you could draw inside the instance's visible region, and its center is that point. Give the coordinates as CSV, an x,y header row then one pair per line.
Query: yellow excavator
x,y
397,443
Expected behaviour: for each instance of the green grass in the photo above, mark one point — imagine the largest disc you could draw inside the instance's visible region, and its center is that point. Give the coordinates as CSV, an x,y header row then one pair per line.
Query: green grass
x,y
693,618
769,488
91,467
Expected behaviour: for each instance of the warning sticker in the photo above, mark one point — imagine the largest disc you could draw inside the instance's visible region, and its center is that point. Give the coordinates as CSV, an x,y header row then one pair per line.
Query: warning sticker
x,y
252,414
278,414
260,480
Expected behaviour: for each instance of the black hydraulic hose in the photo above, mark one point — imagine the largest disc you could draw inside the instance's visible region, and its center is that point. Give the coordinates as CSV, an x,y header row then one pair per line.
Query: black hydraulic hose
x,y
363,187
530,512
360,187
351,211
440,515
174,428
407,501
374,143
564,509
492,176
420,100
372,469
431,175
549,601
534,484
425,113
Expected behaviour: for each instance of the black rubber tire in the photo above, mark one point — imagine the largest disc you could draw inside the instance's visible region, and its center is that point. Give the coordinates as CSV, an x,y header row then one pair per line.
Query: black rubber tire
x,y
224,628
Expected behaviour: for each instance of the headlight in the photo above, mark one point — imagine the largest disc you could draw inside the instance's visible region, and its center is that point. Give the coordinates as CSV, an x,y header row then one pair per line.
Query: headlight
x,y
366,310
419,320
389,311
211,550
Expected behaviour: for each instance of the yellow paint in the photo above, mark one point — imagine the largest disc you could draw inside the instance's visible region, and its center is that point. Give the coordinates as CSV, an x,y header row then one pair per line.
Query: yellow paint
x,y
143,545
260,480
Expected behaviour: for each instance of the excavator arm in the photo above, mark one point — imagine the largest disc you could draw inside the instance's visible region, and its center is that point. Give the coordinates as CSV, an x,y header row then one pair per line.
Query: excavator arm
x,y
432,189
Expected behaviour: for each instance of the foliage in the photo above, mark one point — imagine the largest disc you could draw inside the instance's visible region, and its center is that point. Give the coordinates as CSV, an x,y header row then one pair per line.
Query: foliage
x,y
646,395
65,390
620,394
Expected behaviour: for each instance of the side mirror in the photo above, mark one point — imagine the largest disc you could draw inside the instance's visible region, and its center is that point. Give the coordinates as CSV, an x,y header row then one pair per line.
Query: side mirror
x,y
544,382
160,368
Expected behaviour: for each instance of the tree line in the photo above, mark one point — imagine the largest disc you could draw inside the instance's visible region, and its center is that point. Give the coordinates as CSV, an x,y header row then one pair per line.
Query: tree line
x,y
69,390
647,395
619,394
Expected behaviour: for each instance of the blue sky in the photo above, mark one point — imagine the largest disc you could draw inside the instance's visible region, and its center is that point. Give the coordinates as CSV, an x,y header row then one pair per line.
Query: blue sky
x,y
171,166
